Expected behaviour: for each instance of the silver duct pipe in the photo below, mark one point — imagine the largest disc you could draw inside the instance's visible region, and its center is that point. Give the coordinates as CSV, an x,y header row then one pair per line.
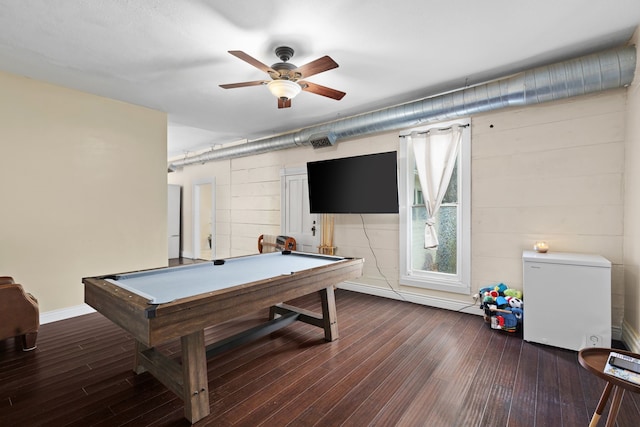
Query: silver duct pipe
x,y
592,73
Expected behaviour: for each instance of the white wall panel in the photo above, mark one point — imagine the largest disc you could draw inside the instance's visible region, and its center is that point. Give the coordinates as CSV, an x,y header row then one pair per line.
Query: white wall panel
x,y
550,172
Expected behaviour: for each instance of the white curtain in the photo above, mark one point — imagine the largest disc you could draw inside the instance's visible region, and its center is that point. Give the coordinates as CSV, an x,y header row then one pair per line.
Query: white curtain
x,y
435,152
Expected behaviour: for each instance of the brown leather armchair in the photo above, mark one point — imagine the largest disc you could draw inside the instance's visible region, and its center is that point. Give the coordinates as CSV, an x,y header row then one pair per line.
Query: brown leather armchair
x,y
19,314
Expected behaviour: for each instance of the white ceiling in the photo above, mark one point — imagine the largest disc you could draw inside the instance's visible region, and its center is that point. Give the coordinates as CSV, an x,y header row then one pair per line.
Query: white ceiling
x,y
171,55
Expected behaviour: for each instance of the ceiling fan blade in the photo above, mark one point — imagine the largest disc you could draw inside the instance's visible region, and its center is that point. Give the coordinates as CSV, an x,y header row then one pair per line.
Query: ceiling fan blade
x,y
284,104
244,84
322,90
251,60
318,66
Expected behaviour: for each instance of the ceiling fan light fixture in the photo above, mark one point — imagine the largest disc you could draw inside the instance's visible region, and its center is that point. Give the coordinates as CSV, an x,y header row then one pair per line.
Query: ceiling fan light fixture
x,y
284,89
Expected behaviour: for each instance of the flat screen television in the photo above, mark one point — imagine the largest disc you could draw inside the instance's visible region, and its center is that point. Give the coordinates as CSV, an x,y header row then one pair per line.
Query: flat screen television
x,y
360,184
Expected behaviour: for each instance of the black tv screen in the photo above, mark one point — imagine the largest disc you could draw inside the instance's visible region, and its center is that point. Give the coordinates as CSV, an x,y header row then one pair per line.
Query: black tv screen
x,y
361,184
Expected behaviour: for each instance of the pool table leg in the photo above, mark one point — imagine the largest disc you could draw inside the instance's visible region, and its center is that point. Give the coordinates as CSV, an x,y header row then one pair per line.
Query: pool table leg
x,y
194,369
188,380
329,313
138,366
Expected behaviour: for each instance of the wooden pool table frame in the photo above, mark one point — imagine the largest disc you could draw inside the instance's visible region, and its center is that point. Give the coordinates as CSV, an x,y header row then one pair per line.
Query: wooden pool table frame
x,y
187,318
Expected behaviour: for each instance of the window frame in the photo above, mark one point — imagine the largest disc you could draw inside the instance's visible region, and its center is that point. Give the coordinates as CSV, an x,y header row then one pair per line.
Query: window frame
x,y
460,282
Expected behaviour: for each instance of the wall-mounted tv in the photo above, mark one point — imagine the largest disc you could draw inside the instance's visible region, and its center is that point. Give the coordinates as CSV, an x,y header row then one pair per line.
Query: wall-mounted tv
x,y
360,184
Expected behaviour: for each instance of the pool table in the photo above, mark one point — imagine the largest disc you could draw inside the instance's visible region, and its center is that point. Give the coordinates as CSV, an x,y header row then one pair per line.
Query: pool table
x,y
161,304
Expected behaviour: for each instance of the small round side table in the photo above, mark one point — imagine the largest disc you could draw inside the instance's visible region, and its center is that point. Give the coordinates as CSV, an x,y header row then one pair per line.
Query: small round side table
x,y
594,359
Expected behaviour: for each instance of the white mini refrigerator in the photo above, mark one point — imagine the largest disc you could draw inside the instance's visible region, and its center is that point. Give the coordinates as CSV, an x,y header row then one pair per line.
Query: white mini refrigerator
x,y
567,299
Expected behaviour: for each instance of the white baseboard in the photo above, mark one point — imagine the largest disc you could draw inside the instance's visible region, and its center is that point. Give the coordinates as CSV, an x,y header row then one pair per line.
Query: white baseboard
x,y
630,337
65,313
616,333
447,304
627,334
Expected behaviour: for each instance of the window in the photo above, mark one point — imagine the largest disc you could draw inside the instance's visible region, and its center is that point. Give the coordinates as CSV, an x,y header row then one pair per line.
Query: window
x,y
445,264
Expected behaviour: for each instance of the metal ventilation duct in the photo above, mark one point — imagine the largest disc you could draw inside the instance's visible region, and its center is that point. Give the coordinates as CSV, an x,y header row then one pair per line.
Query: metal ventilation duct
x,y
320,140
589,74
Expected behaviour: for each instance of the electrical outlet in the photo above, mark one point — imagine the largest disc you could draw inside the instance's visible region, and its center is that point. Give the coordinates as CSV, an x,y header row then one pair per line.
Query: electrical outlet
x,y
594,341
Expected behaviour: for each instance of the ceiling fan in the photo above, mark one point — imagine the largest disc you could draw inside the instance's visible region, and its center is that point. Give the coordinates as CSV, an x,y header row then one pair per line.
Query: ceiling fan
x,y
286,79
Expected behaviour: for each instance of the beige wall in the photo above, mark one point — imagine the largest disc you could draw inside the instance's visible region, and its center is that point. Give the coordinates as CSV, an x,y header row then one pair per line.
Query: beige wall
x,y
553,171
563,171
631,326
83,188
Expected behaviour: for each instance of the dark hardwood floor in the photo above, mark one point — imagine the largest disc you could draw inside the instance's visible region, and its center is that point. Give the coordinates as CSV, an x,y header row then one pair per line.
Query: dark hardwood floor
x,y
395,364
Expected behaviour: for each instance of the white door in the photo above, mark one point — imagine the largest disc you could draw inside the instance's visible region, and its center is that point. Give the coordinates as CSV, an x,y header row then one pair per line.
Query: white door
x,y
204,208
173,220
296,221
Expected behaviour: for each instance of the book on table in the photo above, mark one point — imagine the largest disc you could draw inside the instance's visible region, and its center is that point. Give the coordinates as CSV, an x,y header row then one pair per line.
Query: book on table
x,y
623,366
